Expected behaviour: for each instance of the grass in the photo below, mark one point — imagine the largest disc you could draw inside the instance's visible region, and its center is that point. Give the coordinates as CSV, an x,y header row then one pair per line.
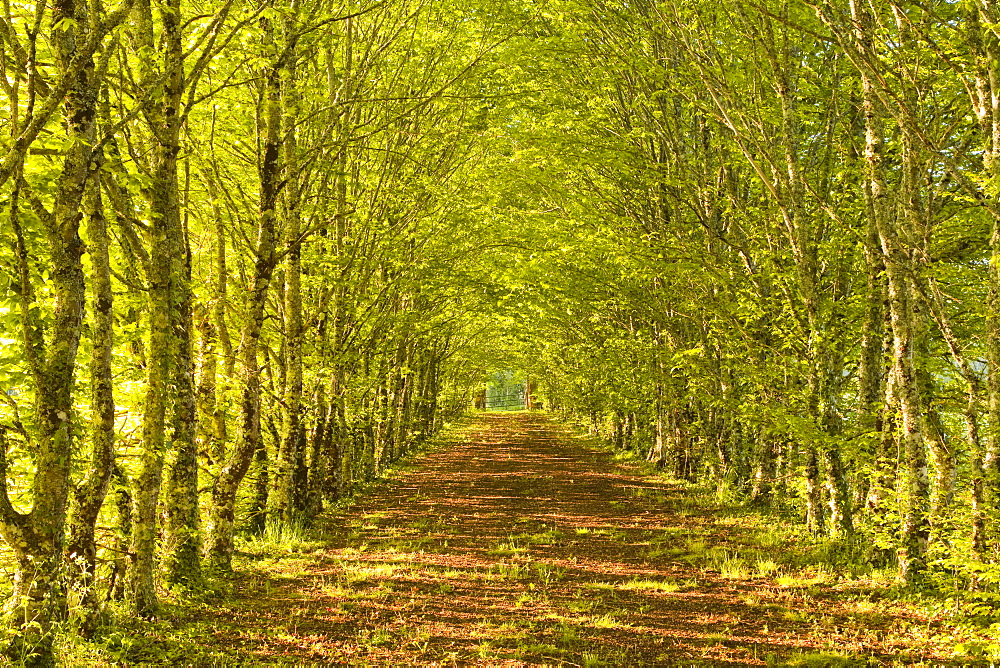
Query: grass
x,y
210,627
795,616
485,650
280,539
800,579
729,565
608,620
695,546
716,638
651,585
543,650
580,606
376,637
506,571
549,574
766,568
426,523
566,634
353,572
600,586
819,660
545,537
507,548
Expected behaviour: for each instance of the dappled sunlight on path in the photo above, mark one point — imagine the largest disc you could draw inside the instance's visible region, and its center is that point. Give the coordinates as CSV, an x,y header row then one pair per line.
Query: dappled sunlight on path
x,y
520,544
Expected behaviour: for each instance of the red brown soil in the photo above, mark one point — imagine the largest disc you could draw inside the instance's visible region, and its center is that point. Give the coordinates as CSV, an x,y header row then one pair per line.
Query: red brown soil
x,y
517,546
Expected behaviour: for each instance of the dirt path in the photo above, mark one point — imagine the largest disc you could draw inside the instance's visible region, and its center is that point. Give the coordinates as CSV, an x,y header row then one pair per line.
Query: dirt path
x,y
520,545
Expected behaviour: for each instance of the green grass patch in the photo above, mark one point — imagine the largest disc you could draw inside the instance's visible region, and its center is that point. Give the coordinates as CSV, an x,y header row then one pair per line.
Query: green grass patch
x,y
507,548
651,585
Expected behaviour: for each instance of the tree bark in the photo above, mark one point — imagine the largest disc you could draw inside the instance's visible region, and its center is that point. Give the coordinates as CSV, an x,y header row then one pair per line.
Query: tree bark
x,y
182,544
89,495
288,502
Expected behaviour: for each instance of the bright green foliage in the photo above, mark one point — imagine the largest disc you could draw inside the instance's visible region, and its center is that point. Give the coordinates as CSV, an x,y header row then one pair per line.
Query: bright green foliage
x,y
756,244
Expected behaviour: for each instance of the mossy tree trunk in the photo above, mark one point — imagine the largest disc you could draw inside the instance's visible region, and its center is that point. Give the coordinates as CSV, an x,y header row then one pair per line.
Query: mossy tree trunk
x,y
89,495
287,501
163,115
182,548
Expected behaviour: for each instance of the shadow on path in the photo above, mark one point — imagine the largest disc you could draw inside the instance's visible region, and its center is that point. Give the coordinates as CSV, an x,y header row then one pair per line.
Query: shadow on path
x,y
522,545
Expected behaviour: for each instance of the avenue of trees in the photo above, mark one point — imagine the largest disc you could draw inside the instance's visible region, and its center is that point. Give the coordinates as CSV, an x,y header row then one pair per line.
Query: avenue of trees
x,y
253,252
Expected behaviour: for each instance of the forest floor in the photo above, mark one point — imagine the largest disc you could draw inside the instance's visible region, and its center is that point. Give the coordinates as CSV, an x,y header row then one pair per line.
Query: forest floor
x,y
519,542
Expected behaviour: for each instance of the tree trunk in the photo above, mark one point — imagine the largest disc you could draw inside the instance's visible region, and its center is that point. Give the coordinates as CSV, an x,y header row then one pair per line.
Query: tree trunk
x,y
815,519
123,535
319,462
163,114
899,248
286,503
88,497
182,548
